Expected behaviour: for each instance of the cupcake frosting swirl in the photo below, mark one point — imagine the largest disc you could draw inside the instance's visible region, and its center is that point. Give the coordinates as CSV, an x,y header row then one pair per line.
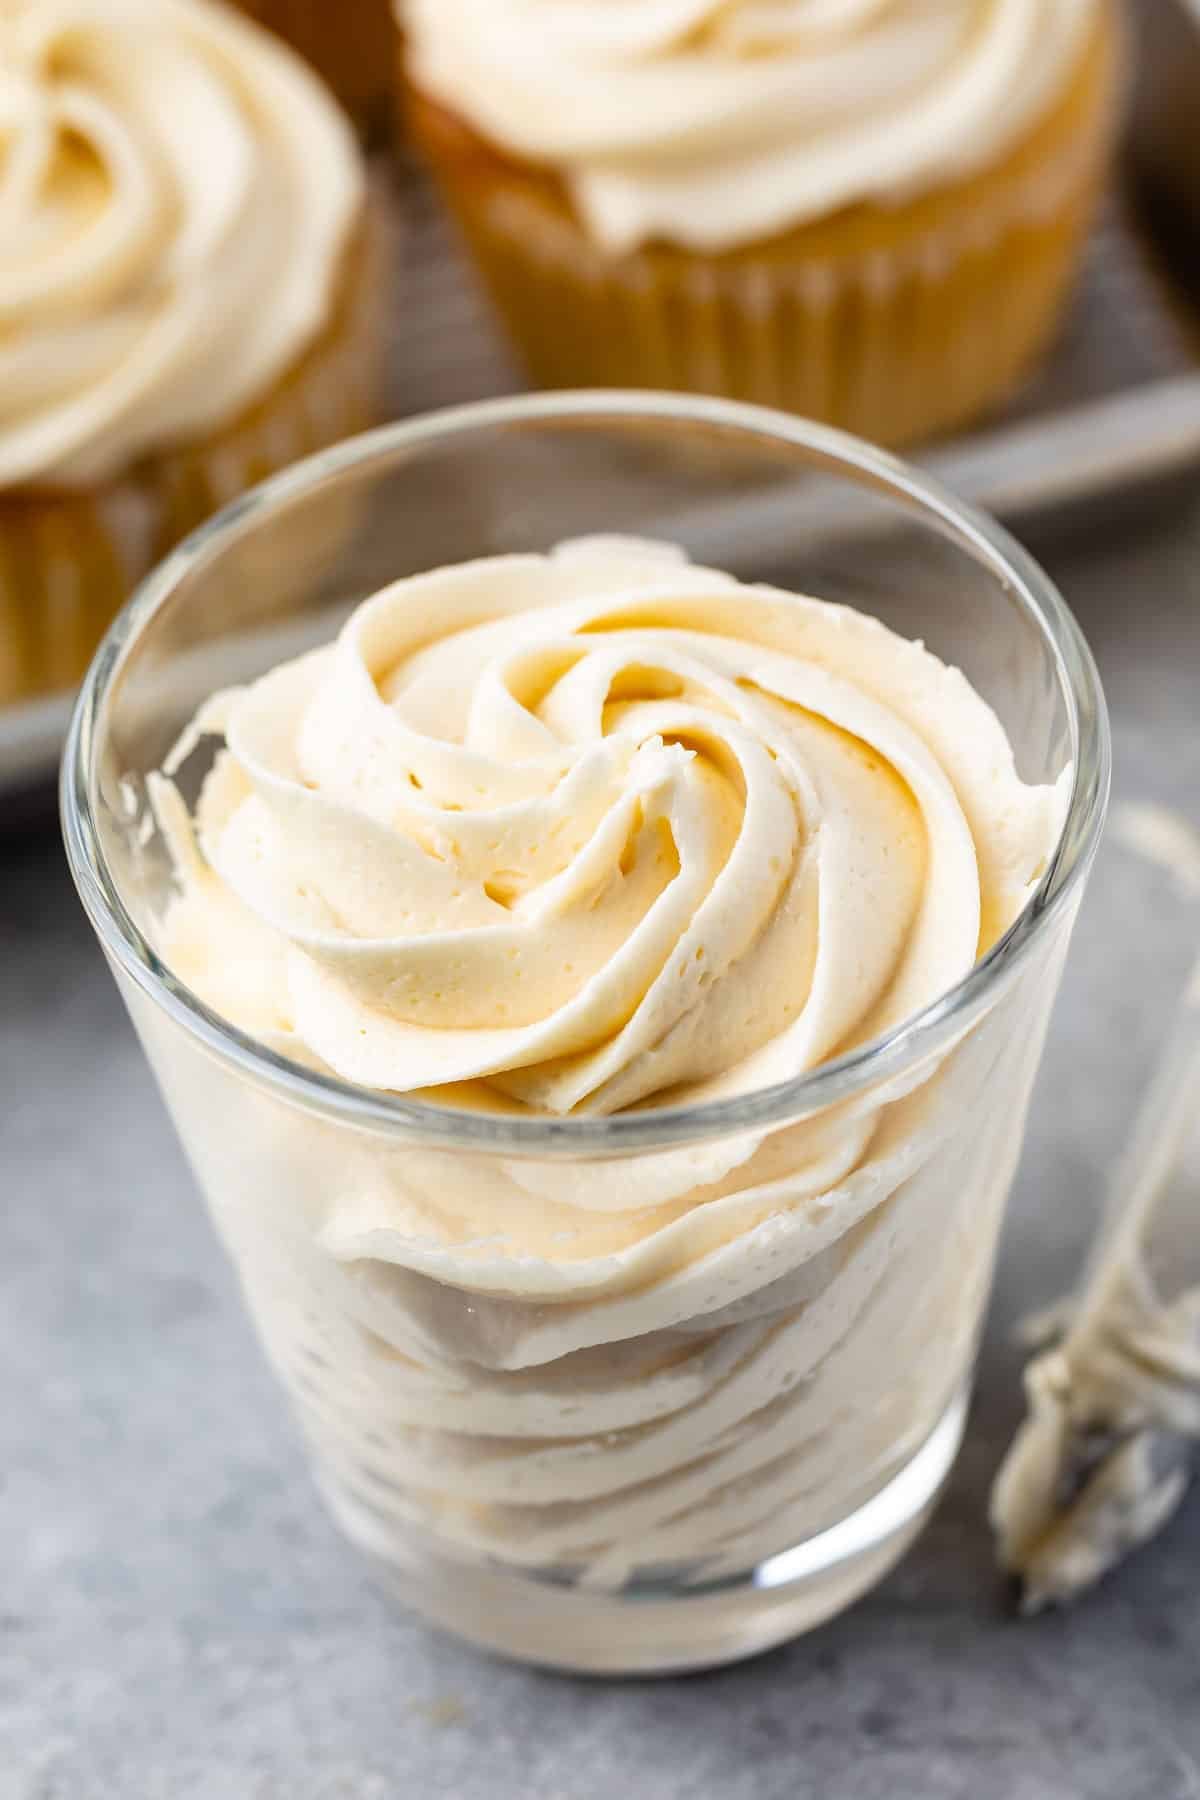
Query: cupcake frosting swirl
x,y
579,831
711,123
176,191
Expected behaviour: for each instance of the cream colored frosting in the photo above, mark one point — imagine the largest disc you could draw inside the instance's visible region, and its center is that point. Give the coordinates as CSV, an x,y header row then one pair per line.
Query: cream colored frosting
x,y
714,122
176,192
580,829
578,832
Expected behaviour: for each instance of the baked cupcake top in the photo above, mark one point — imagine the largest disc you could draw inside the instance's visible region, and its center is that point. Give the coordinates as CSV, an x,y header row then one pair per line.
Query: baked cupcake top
x,y
711,123
176,193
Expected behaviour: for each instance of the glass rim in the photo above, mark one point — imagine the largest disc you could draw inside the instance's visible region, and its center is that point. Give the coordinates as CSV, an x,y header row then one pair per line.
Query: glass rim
x,y
919,1036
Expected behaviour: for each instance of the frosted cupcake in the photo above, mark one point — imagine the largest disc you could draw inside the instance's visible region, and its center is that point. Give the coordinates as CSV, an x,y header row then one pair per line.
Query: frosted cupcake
x,y
349,44
188,281
865,210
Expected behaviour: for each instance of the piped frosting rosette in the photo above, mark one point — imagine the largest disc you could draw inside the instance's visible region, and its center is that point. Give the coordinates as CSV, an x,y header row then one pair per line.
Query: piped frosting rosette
x,y
177,192
714,122
590,829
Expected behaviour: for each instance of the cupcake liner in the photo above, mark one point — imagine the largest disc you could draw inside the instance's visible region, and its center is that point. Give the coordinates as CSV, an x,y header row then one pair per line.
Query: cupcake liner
x,y
896,322
68,559
349,44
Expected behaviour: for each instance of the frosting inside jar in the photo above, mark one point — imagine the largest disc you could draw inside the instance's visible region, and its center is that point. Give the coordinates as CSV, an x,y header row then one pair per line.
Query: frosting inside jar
x,y
176,194
711,123
579,832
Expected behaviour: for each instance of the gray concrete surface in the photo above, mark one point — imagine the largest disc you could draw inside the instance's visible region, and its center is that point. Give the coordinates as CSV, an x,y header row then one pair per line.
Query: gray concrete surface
x,y
179,1619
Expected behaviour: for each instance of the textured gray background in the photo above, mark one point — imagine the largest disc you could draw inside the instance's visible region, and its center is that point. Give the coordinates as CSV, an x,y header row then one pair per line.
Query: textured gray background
x,y
177,1617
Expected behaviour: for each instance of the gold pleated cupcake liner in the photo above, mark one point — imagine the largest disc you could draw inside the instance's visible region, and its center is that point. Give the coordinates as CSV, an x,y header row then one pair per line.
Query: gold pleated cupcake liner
x,y
69,559
895,322
348,43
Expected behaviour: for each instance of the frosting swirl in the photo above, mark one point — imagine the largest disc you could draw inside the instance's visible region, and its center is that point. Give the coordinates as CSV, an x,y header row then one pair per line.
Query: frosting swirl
x,y
579,831
176,191
715,122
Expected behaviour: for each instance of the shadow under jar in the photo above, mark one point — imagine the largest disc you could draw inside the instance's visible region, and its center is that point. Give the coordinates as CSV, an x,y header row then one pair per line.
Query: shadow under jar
x,y
628,1391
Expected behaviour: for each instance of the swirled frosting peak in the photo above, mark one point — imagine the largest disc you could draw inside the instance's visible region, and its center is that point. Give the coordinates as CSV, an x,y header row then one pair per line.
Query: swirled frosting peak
x,y
176,191
576,831
714,122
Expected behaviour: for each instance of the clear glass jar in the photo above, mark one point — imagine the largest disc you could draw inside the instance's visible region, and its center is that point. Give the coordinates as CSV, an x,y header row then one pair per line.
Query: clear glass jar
x,y
725,1413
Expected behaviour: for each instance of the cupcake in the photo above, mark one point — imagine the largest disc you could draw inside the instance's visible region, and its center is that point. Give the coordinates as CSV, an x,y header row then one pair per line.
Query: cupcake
x,y
349,44
868,211
189,273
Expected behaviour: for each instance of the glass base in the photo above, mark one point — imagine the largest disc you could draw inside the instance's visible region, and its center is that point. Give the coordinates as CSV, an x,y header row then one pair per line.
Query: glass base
x,y
654,1629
